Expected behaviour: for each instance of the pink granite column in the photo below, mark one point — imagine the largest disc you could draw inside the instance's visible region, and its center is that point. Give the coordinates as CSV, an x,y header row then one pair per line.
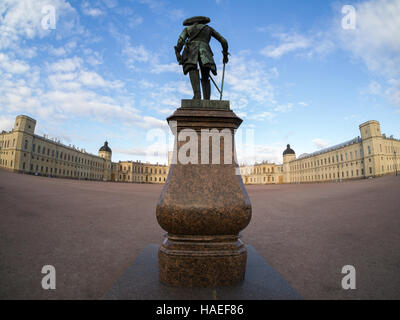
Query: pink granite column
x,y
203,207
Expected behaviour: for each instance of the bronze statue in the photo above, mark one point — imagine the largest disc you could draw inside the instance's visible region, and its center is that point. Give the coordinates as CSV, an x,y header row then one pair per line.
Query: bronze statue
x,y
196,38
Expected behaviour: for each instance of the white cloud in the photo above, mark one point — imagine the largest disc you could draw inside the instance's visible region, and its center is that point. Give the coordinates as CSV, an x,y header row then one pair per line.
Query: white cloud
x,y
170,67
374,88
350,117
376,42
66,65
319,143
135,21
23,19
13,66
57,51
284,107
136,54
111,3
6,123
93,79
66,89
249,78
266,115
315,44
89,11
393,92
251,154
289,43
376,38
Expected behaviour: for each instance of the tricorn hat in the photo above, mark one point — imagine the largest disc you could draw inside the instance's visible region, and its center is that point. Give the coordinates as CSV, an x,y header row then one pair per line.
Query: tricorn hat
x,y
198,19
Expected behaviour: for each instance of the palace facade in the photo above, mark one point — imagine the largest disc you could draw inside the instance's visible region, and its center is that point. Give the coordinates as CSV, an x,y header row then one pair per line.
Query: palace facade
x,y
262,173
21,150
139,172
370,155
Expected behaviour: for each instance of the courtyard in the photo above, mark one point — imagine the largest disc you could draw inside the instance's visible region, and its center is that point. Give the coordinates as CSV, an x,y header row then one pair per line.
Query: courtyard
x,y
91,233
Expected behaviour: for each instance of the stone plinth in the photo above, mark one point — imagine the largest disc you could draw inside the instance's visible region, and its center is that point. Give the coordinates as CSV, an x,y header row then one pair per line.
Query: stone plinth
x,y
203,207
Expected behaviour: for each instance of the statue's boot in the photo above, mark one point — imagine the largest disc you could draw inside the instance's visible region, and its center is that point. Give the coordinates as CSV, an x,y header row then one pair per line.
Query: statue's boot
x,y
195,81
206,86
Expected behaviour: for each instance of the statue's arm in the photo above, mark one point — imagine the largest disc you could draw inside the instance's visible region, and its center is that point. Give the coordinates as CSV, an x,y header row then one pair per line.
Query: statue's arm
x,y
181,42
223,43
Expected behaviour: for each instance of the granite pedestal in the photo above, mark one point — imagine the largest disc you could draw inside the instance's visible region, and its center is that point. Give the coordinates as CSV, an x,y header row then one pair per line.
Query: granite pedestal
x,y
204,205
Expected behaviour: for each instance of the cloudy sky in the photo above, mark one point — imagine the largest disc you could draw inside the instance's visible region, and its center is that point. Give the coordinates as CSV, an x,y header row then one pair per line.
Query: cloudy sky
x,y
108,71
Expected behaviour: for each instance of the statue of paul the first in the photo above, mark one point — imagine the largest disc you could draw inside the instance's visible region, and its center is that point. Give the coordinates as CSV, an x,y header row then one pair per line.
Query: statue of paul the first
x,y
197,52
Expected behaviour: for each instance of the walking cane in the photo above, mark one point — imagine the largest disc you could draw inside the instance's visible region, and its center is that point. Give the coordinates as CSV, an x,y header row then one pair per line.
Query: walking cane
x,y
222,84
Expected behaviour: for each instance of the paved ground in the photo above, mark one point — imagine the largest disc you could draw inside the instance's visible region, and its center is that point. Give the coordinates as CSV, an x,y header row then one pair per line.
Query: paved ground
x,y
92,231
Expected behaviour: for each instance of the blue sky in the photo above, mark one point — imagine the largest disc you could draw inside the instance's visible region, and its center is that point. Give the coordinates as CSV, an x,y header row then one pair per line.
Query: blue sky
x,y
108,71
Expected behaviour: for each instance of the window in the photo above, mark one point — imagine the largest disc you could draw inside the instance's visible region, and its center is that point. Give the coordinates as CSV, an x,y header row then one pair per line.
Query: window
x,y
26,144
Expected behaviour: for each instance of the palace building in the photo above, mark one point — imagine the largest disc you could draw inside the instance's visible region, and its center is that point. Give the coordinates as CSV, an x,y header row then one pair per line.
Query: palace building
x,y
139,172
21,150
262,173
370,155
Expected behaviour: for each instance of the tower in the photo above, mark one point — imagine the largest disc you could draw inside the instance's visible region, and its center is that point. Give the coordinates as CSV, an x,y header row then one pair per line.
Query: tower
x,y
370,129
25,124
106,153
288,156
371,139
23,135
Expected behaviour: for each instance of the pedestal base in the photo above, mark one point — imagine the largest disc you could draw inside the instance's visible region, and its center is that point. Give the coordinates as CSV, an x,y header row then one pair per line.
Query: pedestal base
x,y
140,282
202,261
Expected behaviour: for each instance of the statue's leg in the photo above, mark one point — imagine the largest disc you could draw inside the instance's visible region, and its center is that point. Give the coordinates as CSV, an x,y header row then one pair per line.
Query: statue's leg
x,y
205,83
195,81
